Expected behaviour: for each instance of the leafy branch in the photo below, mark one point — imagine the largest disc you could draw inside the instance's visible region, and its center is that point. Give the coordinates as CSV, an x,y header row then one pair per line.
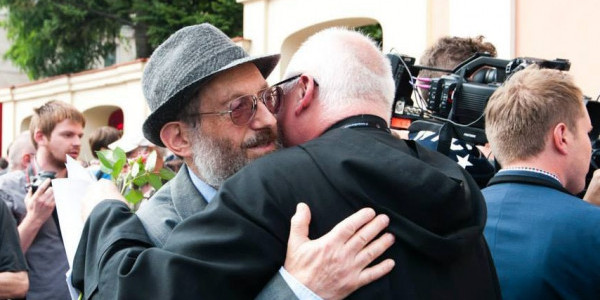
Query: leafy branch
x,y
130,175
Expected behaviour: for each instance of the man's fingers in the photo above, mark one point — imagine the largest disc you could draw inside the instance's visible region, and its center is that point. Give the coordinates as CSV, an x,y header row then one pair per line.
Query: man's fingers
x,y
49,195
367,233
344,230
46,183
375,272
299,226
375,249
42,188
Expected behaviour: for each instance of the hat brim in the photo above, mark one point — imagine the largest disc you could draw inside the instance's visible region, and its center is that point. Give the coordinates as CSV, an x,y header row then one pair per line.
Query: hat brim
x,y
169,110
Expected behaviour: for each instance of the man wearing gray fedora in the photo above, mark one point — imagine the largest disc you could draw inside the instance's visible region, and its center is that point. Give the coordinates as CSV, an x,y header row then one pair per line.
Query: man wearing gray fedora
x,y
211,106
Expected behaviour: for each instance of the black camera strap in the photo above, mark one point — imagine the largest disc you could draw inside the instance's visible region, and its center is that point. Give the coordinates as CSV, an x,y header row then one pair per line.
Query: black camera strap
x,y
527,180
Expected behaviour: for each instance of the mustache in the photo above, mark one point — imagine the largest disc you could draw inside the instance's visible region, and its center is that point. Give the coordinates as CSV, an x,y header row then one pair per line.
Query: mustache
x,y
262,137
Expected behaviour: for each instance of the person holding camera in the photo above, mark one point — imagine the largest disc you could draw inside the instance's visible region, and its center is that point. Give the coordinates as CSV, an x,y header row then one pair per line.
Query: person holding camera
x,y
447,53
56,129
543,239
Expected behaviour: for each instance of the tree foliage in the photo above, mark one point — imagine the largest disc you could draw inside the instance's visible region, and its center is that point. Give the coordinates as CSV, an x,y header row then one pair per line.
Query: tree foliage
x,y
52,37
374,31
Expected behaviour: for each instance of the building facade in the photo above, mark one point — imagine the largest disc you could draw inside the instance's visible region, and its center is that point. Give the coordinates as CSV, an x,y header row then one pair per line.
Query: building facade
x,y
516,27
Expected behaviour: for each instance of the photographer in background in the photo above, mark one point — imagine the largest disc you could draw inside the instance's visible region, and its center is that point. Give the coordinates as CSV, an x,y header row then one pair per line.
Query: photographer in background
x,y
448,53
56,129
543,239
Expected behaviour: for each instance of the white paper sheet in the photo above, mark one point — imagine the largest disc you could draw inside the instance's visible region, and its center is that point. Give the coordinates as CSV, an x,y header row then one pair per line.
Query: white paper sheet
x,y
68,193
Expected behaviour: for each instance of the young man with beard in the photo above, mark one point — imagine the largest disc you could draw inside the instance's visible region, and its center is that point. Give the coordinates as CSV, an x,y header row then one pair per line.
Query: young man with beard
x,y
212,106
56,129
348,160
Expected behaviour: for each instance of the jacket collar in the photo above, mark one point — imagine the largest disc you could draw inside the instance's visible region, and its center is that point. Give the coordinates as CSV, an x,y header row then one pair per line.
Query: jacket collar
x,y
187,200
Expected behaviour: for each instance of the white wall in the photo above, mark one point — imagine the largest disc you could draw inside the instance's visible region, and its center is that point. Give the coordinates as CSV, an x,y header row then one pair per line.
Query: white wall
x,y
91,92
493,19
279,26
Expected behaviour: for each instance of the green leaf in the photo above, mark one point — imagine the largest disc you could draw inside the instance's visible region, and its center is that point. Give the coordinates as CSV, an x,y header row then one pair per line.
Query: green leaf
x,y
151,161
117,168
166,174
139,181
104,161
134,196
119,154
155,181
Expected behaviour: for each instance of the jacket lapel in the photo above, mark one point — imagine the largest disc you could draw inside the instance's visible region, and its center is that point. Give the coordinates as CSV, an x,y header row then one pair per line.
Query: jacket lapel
x,y
187,200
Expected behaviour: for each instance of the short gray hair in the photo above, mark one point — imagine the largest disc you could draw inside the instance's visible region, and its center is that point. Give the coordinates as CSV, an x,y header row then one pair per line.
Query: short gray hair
x,y
21,145
348,66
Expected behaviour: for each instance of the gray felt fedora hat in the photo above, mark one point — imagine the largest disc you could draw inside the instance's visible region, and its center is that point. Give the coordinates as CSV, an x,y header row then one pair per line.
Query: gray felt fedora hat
x,y
186,60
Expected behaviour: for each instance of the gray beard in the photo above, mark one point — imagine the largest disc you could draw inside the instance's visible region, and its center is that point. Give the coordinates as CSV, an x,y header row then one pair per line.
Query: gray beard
x,y
216,159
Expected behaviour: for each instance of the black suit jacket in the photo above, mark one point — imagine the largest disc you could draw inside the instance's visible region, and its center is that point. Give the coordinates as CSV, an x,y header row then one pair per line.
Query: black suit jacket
x,y
231,249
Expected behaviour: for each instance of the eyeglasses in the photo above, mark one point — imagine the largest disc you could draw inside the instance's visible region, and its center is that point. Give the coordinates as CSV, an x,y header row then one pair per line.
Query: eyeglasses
x,y
242,109
288,80
292,79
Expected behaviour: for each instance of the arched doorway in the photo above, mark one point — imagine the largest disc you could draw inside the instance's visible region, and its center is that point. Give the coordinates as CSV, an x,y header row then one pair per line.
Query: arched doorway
x,y
291,44
96,117
25,124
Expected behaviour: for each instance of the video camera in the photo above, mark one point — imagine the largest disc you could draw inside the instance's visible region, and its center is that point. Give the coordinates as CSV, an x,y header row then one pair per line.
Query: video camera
x,y
458,98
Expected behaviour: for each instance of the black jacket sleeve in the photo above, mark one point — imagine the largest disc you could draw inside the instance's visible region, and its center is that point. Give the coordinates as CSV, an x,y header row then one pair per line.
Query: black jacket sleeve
x,y
115,258
11,256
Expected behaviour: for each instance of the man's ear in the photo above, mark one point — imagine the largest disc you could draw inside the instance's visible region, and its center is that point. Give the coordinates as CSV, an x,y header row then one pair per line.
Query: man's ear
x,y
307,83
175,137
39,137
561,138
26,159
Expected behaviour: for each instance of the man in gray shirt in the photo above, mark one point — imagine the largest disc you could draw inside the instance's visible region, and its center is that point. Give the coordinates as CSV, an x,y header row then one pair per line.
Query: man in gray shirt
x,y
56,130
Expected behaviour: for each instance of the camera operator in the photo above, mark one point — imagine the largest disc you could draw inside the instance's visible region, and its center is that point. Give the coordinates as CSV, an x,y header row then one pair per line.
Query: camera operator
x,y
56,129
543,239
448,53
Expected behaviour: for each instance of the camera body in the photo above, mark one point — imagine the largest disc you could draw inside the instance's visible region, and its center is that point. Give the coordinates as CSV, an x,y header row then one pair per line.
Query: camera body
x,y
38,179
459,97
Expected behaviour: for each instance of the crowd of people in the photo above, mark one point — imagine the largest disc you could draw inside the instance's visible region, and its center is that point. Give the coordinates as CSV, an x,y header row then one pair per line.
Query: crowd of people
x,y
299,190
